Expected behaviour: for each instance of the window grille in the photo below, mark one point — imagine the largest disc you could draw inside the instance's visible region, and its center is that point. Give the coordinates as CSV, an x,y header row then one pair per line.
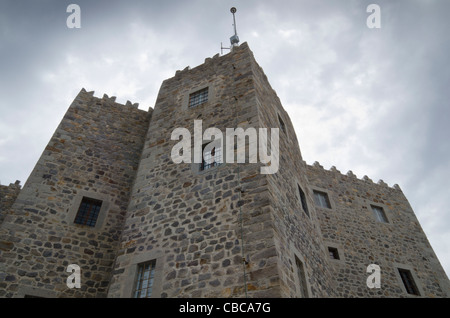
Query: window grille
x,y
144,280
88,212
198,97
211,158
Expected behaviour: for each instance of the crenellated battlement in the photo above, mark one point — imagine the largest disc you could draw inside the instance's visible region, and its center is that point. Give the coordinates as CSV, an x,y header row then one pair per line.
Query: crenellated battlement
x,y
317,166
108,100
8,195
188,68
242,47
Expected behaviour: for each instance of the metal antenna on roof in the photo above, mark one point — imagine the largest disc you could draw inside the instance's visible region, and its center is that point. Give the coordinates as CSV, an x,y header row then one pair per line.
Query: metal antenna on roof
x,y
234,40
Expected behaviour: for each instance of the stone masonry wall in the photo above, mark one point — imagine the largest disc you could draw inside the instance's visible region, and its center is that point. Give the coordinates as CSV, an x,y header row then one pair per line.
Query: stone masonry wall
x,y
94,152
350,226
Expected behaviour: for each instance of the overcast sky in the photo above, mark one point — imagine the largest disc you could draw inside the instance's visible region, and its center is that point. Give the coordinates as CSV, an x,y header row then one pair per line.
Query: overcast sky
x,y
374,101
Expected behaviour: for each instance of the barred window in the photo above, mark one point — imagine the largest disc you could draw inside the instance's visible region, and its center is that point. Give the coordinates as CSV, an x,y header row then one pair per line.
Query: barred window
x,y
321,199
211,158
380,216
144,279
88,212
198,97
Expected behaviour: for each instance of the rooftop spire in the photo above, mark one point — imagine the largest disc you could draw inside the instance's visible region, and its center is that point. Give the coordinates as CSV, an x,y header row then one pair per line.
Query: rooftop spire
x,y
234,39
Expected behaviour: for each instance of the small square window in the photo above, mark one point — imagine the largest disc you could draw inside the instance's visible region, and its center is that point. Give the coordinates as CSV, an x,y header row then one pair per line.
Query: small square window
x,y
321,199
303,200
144,279
211,158
408,281
379,214
88,212
198,97
333,252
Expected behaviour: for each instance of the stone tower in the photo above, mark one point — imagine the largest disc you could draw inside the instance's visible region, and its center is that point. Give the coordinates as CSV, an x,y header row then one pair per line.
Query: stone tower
x,y
94,154
228,230
207,228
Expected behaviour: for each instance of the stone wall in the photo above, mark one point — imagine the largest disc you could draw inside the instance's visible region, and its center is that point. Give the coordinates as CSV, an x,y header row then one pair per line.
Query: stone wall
x,y
93,153
351,227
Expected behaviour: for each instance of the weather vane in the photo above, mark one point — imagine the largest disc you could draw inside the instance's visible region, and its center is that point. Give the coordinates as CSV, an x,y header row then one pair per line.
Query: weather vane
x,y
234,40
